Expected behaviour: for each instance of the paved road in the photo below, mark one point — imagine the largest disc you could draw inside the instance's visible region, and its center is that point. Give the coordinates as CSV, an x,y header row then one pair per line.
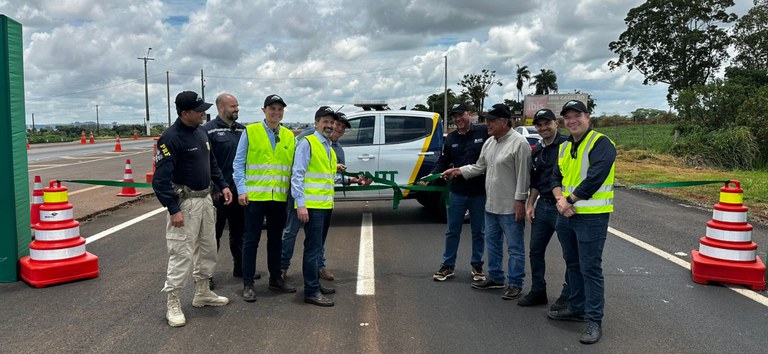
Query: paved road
x,y
652,305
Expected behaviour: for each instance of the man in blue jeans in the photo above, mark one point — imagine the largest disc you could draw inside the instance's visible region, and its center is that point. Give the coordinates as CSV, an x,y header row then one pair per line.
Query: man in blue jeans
x,y
541,211
506,161
462,147
583,187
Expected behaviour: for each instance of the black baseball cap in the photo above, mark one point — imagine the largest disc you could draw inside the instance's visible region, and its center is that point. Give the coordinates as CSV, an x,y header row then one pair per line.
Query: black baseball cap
x,y
343,119
498,110
272,99
458,108
326,111
574,105
545,113
190,101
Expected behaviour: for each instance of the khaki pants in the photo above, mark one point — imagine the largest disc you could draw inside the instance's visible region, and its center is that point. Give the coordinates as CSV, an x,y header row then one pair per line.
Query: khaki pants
x,y
191,248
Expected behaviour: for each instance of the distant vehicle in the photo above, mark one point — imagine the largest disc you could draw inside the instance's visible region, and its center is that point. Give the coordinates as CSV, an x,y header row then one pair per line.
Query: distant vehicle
x,y
532,141
528,130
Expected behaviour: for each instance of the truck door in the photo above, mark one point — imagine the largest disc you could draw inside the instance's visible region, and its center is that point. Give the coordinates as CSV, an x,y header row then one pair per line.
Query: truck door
x,y
361,150
406,146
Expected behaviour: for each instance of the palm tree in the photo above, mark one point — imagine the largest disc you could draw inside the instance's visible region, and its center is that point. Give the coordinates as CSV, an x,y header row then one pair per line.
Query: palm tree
x,y
522,74
545,81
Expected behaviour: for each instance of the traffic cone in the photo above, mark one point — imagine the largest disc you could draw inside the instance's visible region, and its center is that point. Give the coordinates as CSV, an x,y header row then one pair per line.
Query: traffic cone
x,y
151,175
92,141
128,177
82,137
118,148
37,200
57,254
726,253
28,147
135,135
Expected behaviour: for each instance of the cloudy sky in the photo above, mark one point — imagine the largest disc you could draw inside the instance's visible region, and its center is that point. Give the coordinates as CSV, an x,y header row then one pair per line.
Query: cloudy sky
x,y
83,53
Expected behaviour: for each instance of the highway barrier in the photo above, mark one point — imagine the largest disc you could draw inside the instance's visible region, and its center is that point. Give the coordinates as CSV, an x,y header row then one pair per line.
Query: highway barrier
x,y
726,253
128,177
57,255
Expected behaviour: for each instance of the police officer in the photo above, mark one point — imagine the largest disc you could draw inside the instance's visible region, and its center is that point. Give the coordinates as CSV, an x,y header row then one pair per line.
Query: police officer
x,y
262,173
224,133
462,147
541,211
583,187
184,169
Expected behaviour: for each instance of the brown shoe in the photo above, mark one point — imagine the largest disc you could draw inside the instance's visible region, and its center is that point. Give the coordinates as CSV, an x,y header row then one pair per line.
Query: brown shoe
x,y
325,274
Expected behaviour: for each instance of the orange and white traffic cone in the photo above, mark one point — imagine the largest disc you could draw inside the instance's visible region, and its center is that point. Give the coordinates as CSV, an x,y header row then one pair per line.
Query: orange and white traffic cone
x,y
37,201
135,135
57,255
82,137
118,148
28,147
151,175
92,141
128,177
726,253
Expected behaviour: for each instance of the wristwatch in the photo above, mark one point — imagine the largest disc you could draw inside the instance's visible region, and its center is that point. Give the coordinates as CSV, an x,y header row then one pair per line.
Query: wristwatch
x,y
569,200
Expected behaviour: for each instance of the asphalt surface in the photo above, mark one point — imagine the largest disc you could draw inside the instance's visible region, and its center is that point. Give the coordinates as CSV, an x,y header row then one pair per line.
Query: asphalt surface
x,y
651,304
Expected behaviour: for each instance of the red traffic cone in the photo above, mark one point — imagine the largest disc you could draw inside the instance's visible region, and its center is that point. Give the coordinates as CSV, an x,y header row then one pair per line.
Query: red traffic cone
x,y
37,201
82,137
92,141
118,148
57,255
135,135
726,253
151,175
128,177
28,147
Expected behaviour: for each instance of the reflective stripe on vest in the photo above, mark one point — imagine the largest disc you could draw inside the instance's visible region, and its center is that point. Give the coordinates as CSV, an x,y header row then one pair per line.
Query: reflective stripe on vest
x,y
574,171
268,171
318,180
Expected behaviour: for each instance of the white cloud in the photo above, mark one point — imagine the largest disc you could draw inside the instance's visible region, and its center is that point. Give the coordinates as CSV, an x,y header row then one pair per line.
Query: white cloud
x,y
79,53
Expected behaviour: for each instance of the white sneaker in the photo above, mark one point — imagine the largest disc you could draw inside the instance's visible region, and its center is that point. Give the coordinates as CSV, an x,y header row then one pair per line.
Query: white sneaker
x,y
205,297
174,315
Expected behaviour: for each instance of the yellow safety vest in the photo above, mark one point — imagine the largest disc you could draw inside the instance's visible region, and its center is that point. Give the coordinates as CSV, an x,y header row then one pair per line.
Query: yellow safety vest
x,y
574,170
267,171
319,178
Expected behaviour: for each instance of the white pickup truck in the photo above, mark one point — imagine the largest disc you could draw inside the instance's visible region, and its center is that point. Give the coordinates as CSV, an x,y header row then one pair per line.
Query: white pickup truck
x,y
397,145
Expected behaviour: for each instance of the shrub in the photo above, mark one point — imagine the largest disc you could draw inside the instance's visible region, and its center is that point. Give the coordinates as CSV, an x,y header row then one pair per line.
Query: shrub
x,y
730,148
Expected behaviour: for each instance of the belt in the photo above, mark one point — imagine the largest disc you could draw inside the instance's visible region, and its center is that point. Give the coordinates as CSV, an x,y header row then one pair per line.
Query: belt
x,y
185,192
548,201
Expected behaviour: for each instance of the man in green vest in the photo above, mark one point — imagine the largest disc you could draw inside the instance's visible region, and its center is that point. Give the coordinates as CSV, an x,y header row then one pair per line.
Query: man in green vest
x,y
312,180
583,187
262,172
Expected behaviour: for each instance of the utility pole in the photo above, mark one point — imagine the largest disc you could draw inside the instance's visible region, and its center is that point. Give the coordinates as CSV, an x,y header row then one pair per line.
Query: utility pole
x,y
33,122
445,98
146,87
202,90
168,93
97,120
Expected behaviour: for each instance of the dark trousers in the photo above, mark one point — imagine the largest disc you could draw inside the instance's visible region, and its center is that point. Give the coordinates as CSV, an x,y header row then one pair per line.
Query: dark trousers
x,y
233,213
314,236
542,229
255,212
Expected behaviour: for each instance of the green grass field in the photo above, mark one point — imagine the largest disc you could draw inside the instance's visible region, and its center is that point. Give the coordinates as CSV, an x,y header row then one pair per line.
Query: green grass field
x,y
653,137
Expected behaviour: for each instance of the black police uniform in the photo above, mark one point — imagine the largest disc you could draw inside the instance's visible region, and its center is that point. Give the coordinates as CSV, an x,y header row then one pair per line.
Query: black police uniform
x,y
460,150
184,158
224,139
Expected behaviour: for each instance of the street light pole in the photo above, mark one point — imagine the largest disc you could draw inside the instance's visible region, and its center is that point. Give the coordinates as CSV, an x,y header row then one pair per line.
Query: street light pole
x,y
97,120
146,87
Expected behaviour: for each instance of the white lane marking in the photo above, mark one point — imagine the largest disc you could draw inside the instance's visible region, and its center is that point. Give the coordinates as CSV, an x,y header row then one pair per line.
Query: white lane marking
x,y
89,161
117,228
750,294
366,283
